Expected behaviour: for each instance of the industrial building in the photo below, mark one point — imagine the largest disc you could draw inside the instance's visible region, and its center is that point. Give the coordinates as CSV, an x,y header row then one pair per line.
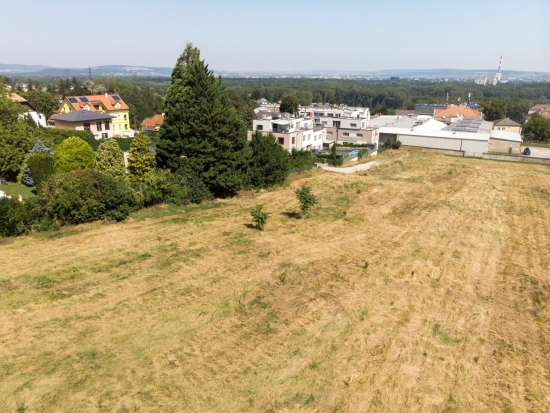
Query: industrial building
x,y
470,137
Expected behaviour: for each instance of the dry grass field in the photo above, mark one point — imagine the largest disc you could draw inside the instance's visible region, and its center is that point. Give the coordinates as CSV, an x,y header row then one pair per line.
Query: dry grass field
x,y
421,285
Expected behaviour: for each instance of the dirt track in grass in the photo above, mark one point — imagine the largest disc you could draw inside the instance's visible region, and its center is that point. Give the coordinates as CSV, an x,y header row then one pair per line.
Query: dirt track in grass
x,y
421,285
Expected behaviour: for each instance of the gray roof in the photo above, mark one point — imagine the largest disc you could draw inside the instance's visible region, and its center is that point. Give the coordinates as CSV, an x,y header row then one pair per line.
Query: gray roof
x,y
506,122
82,116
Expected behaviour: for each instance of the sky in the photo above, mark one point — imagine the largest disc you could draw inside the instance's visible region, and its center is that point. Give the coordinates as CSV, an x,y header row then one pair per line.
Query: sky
x,y
275,36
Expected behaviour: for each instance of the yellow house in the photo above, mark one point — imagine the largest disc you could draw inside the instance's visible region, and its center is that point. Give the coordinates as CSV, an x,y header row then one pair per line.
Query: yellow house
x,y
111,104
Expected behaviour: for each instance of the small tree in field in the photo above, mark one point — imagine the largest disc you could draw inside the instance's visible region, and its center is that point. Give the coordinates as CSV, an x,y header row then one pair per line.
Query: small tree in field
x,y
306,198
259,216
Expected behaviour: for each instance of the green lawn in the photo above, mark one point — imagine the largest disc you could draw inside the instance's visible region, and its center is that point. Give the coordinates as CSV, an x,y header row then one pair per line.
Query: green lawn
x,y
536,144
14,188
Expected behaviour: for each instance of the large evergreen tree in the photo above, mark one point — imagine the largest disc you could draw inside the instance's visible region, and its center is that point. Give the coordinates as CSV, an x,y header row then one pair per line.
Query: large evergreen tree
x,y
201,132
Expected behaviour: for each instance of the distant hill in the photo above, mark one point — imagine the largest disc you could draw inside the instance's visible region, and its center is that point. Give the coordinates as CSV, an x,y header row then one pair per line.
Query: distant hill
x,y
128,70
110,70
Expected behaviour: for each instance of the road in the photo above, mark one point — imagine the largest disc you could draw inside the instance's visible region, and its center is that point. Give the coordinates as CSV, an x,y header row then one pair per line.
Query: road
x,y
539,152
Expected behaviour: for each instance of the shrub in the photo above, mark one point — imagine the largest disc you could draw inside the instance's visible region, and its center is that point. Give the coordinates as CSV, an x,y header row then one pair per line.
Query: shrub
x,y
300,159
306,198
363,153
197,191
141,160
109,159
156,187
72,198
116,196
259,216
269,161
26,176
396,145
41,167
16,219
73,154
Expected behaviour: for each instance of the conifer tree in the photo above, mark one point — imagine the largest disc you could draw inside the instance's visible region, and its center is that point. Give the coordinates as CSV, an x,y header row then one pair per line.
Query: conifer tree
x,y
39,147
109,159
141,159
201,132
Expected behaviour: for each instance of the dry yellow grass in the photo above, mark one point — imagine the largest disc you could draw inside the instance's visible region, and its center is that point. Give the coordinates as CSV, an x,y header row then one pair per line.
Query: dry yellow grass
x,y
419,286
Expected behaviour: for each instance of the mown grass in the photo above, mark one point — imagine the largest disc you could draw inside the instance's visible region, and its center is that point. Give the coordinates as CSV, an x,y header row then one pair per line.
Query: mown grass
x,y
414,286
17,189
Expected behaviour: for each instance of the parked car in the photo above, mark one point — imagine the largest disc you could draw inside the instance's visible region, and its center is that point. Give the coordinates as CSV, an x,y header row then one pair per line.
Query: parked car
x,y
527,151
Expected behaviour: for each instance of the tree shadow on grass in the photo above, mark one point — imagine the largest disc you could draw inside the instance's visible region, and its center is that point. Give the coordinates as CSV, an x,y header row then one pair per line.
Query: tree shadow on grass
x,y
295,215
250,226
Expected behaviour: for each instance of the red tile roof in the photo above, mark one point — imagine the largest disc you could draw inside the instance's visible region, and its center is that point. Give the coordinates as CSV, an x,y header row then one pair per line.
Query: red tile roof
x,y
453,111
107,100
153,123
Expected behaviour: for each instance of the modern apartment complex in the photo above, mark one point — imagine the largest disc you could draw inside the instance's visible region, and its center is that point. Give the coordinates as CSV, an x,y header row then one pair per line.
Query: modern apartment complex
x,y
343,124
290,132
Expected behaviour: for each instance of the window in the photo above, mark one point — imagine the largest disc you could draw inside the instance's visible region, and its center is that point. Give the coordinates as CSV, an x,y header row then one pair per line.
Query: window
x,y
86,126
118,116
346,134
281,141
359,135
125,126
324,122
104,135
107,125
353,125
259,127
98,126
293,140
125,117
329,133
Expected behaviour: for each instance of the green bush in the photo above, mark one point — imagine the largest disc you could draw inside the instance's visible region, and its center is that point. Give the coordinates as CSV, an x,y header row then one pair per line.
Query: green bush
x,y
269,161
306,198
73,154
300,159
72,198
363,153
109,159
197,191
53,137
26,176
41,167
15,218
259,216
116,196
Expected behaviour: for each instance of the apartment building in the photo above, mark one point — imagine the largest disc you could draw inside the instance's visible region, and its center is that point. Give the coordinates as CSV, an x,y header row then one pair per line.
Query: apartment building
x,y
343,124
290,132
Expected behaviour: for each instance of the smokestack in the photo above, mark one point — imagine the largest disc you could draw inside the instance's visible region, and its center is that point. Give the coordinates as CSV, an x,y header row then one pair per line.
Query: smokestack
x,y
500,64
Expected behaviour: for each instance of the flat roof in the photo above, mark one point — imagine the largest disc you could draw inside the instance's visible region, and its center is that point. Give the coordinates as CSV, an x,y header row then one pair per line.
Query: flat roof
x,y
441,134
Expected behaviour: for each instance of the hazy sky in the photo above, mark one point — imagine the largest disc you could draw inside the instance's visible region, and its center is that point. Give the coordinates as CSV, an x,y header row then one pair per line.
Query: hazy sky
x,y
243,35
